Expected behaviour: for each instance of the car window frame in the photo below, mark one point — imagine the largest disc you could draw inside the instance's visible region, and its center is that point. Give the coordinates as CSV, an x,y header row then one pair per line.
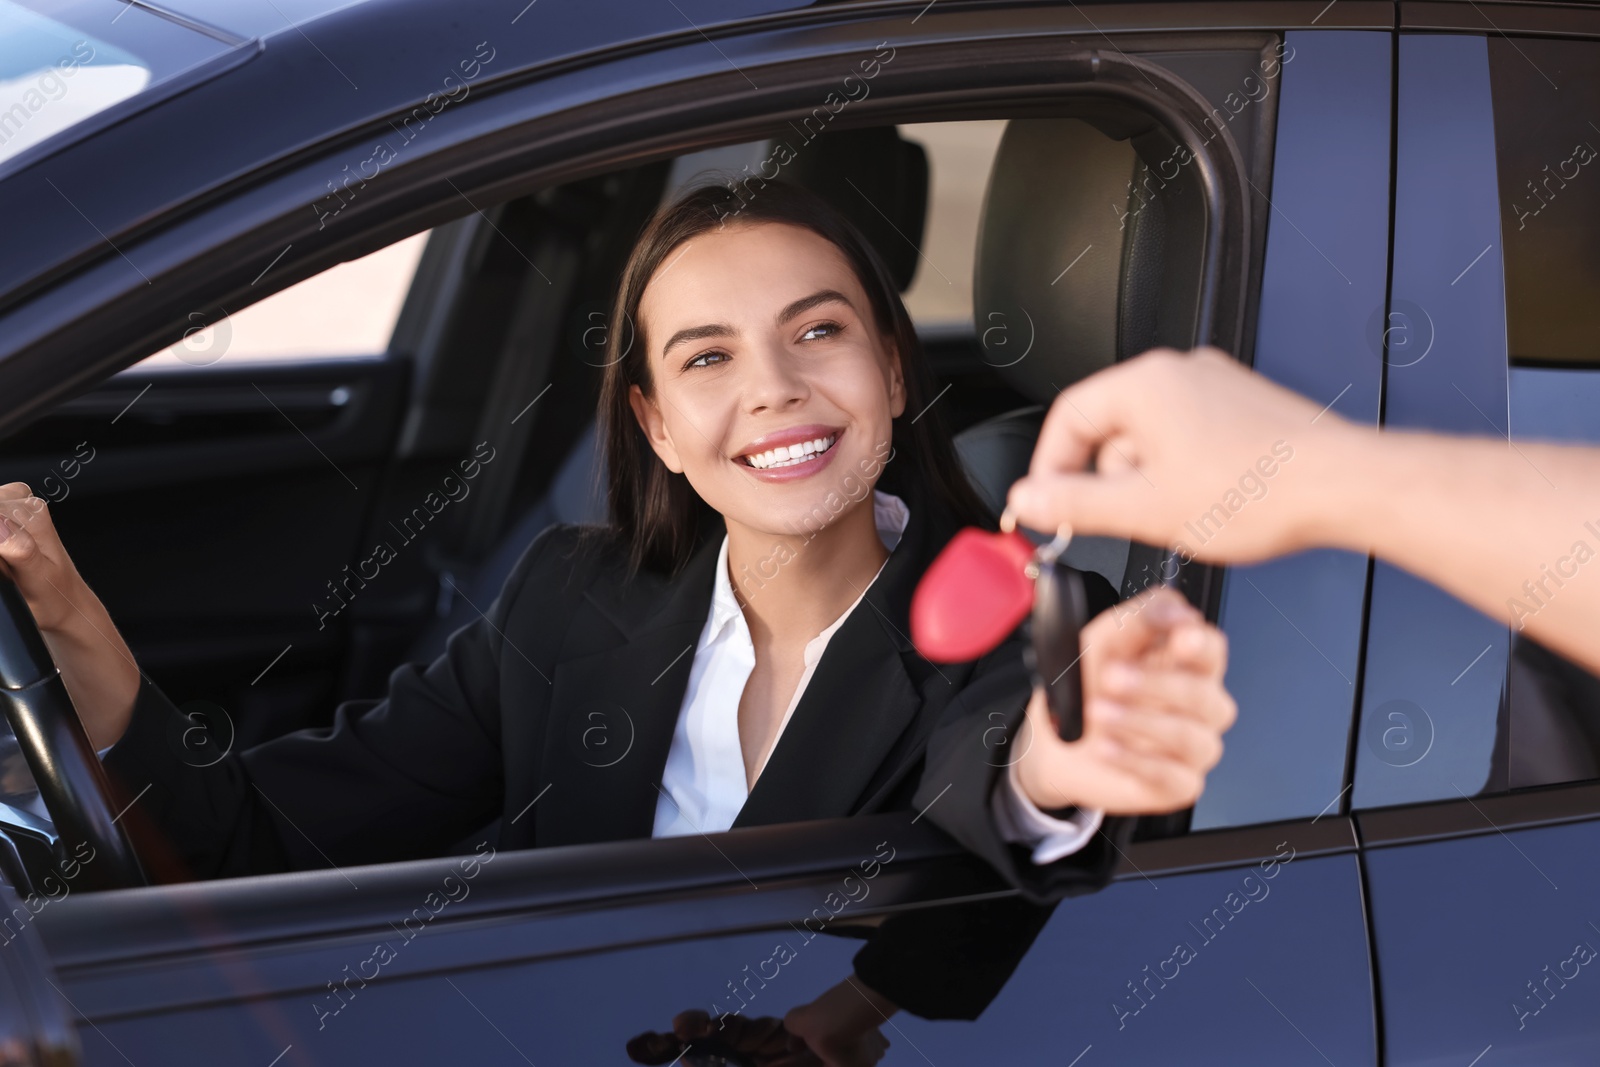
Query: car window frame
x,y
395,216
1416,821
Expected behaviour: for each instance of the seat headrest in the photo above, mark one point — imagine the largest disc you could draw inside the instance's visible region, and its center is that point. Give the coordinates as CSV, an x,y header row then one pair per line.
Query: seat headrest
x,y
879,181
1080,260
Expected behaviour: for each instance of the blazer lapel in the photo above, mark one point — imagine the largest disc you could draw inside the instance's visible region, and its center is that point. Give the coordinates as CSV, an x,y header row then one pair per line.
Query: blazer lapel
x,y
613,712
861,699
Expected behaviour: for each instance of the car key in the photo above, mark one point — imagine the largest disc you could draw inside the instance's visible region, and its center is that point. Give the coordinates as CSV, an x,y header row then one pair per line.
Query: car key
x,y
1060,608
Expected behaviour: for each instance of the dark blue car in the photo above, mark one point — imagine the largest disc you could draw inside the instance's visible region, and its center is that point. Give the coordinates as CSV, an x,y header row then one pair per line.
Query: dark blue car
x,y
359,238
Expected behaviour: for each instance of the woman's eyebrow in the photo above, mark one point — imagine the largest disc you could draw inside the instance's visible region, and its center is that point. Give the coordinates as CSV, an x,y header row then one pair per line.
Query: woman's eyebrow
x,y
696,333
718,329
806,303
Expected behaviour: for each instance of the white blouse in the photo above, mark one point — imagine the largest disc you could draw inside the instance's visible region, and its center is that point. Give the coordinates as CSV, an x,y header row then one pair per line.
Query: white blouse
x,y
703,784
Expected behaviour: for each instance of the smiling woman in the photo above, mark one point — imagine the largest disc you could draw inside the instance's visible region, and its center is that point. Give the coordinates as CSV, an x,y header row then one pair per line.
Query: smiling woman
x,y
770,409
834,302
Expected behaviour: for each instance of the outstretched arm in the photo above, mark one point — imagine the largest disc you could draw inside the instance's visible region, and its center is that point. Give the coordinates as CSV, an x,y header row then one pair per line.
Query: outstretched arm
x,y
1201,454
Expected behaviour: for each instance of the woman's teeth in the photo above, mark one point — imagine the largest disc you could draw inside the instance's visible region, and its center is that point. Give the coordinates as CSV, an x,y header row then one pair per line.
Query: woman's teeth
x,y
789,455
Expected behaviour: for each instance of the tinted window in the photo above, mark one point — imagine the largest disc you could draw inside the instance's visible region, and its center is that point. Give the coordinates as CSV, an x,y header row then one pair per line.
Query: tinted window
x,y
1495,212
51,77
1549,725
64,62
1547,148
346,311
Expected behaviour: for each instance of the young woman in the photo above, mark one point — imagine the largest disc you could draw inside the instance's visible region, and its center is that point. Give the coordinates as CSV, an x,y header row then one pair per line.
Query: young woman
x,y
778,481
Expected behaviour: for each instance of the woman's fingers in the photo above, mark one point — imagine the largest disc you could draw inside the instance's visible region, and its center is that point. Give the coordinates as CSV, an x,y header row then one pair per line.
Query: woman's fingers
x,y
1160,785
1186,694
1175,737
1133,628
32,514
1155,712
17,546
1196,645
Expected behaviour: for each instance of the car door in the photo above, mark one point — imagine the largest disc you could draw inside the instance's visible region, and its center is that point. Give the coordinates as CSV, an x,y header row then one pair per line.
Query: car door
x,y
1475,783
1201,946
1198,952
249,450
275,424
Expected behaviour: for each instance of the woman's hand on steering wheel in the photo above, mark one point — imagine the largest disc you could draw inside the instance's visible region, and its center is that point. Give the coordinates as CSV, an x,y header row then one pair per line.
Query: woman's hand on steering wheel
x,y
95,663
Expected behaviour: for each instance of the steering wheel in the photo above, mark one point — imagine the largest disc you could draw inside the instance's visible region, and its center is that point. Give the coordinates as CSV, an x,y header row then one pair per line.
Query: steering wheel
x,y
71,781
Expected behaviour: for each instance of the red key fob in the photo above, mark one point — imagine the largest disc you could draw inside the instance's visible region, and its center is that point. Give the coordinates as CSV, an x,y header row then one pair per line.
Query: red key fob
x,y
975,593
981,586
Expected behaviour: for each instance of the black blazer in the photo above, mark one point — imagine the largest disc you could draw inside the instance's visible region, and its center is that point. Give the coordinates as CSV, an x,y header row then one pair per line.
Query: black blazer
x,y
504,723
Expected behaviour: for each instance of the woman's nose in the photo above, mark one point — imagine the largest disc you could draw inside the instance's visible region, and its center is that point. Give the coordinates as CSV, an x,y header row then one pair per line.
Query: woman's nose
x,y
776,381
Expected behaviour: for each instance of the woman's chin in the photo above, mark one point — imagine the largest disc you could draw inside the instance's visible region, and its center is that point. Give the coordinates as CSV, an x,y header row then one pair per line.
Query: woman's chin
x,y
802,508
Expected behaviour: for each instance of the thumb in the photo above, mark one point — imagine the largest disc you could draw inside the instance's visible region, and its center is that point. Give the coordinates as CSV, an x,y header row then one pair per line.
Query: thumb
x,y
1113,505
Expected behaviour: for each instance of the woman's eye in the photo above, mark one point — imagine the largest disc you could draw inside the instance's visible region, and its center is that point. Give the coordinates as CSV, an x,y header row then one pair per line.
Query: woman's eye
x,y
705,359
828,329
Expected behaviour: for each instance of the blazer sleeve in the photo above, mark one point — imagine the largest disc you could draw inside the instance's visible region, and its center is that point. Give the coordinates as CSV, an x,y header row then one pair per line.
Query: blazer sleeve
x,y
400,778
970,749
952,960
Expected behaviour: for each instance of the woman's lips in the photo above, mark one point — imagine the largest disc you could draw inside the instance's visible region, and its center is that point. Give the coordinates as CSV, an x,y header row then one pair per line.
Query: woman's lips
x,y
787,468
787,454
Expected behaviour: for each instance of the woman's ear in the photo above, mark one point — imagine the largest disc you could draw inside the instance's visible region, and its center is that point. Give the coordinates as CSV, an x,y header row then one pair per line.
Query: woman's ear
x,y
654,426
897,379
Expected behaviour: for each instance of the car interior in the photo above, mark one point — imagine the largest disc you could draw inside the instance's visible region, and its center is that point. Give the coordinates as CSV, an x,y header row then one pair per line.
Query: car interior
x,y
251,469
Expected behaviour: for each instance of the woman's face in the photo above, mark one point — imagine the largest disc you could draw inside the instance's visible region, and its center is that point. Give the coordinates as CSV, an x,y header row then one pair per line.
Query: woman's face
x,y
774,392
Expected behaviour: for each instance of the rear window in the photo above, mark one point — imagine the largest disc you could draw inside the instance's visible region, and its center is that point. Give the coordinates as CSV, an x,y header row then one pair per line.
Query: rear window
x,y
1547,150
63,62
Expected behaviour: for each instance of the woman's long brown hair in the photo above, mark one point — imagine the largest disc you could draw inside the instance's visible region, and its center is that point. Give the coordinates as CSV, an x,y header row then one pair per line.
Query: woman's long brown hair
x,y
657,514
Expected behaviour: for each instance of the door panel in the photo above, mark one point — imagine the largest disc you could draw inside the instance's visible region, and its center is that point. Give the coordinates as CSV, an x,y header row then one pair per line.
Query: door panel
x,y
1322,291
1277,965
1434,665
208,508
1199,968
1483,919
1487,946
535,955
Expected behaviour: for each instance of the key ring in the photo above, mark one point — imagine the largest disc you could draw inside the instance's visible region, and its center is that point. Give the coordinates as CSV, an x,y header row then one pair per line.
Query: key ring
x,y
1047,553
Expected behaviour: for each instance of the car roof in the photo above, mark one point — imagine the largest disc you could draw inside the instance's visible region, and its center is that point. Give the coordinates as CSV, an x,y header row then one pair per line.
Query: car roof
x,y
248,18
279,86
